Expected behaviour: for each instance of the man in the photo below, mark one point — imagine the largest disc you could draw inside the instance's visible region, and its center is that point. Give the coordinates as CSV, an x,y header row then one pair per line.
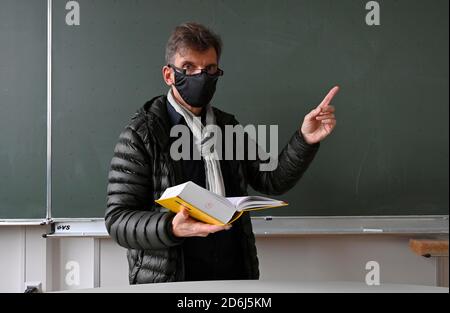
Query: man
x,y
163,246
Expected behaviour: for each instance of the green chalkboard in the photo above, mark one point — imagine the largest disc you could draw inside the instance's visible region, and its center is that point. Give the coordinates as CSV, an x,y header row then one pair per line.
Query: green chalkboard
x,y
388,154
23,106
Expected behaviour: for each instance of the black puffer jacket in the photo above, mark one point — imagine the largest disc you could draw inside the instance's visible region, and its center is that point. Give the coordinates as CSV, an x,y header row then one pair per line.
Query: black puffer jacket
x,y
142,169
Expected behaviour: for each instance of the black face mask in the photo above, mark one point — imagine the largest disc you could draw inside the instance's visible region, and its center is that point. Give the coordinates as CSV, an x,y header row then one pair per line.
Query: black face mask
x,y
197,90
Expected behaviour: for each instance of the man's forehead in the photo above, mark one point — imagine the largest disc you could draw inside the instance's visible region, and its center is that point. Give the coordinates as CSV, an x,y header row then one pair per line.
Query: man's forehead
x,y
202,57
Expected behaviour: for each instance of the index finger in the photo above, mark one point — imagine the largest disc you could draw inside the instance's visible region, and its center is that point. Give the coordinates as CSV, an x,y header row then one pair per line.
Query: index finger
x,y
329,96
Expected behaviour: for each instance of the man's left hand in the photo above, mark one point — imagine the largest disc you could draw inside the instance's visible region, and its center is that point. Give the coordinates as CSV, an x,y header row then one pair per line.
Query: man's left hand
x,y
321,121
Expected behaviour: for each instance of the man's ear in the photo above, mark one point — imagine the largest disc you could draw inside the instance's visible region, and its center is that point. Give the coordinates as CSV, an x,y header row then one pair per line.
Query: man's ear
x,y
168,76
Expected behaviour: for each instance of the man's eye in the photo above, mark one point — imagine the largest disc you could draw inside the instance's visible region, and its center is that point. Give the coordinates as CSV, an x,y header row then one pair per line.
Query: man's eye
x,y
211,69
188,67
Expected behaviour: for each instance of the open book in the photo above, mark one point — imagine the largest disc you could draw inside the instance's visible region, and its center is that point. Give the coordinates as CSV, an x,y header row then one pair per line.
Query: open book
x,y
209,207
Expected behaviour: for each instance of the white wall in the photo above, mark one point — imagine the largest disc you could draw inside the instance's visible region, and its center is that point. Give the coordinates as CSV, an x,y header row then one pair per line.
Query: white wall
x,y
12,254
25,255
343,258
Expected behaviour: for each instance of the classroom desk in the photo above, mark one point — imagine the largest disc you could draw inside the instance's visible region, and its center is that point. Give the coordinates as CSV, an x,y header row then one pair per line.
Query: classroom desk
x,y
264,286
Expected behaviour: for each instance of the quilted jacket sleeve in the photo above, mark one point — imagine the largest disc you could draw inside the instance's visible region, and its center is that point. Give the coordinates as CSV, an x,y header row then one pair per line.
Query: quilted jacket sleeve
x,y
131,216
293,161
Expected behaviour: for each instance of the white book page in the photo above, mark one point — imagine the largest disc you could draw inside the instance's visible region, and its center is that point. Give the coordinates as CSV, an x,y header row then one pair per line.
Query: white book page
x,y
242,203
235,201
173,191
221,199
208,202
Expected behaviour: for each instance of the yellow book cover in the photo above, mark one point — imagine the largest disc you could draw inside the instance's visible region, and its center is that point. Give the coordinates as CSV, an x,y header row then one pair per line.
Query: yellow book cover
x,y
211,208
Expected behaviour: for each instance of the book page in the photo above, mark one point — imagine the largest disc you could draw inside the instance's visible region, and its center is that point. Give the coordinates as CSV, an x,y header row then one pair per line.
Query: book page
x,y
235,201
253,202
224,200
208,202
173,191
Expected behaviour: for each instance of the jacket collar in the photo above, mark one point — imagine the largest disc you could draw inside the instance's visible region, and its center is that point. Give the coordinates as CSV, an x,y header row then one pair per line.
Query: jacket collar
x,y
159,121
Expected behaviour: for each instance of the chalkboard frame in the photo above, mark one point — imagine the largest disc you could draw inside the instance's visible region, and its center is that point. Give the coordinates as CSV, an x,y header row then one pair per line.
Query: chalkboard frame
x,y
49,128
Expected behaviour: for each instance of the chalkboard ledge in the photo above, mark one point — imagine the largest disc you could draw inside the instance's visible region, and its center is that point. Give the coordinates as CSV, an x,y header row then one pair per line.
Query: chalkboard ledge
x,y
351,225
292,226
22,222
